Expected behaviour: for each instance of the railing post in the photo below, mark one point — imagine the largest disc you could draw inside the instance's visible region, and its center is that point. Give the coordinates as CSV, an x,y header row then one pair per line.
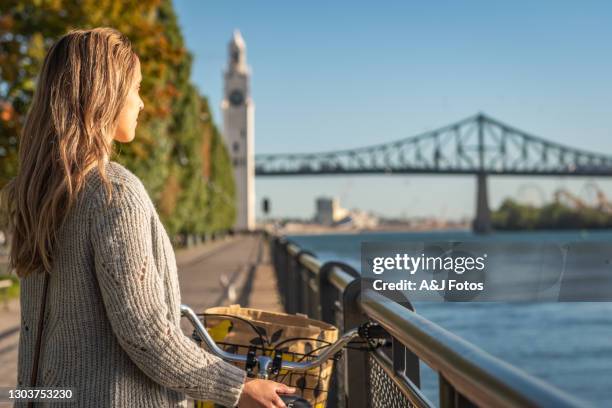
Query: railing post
x,y
305,288
328,293
295,291
356,374
330,311
450,398
281,266
301,277
403,360
275,255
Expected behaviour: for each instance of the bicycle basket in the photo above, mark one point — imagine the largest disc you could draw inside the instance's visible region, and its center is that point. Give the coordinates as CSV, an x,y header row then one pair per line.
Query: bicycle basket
x,y
238,330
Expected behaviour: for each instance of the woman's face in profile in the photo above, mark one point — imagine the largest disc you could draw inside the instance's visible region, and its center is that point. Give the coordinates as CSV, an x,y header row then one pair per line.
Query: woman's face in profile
x,y
128,117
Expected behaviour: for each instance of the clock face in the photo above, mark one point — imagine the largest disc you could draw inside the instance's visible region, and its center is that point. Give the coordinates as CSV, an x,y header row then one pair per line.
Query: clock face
x,y
236,98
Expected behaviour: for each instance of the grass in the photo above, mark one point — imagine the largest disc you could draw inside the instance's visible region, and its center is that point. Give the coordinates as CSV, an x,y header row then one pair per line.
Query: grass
x,y
13,291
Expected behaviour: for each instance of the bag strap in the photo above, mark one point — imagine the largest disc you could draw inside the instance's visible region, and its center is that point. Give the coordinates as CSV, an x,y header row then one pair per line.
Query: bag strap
x,y
41,318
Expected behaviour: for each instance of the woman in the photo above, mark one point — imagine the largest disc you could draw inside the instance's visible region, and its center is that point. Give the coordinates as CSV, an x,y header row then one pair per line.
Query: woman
x,y
111,300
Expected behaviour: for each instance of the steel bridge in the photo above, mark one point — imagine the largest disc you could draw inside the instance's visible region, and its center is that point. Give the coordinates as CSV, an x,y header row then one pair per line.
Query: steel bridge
x,y
478,145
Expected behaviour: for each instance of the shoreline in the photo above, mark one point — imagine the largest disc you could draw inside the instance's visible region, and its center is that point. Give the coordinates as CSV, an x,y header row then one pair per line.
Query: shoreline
x,y
314,229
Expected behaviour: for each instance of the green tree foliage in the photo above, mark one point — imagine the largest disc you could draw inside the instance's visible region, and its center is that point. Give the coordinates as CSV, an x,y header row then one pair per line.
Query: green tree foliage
x,y
514,216
218,176
175,153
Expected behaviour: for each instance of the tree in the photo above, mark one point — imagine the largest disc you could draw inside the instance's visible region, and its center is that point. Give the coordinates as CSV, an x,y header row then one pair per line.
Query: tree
x,y
222,208
173,139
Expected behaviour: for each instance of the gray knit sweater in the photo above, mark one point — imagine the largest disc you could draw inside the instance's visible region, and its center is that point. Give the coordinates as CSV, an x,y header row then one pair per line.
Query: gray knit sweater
x,y
112,325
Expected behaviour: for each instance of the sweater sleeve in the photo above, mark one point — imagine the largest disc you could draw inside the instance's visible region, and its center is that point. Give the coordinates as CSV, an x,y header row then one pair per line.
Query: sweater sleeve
x,y
133,296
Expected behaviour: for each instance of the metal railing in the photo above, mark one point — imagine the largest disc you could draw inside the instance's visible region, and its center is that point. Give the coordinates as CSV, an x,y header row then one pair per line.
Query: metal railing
x,y
390,376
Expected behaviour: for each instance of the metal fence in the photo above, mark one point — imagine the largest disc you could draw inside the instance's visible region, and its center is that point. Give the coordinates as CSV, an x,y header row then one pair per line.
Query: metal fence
x,y
390,376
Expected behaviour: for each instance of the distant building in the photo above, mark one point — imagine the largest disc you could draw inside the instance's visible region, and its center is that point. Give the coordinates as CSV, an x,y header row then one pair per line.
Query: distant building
x,y
238,131
328,211
358,219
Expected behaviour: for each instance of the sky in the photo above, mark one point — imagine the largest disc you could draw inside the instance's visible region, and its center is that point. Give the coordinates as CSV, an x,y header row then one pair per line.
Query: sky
x,y
336,75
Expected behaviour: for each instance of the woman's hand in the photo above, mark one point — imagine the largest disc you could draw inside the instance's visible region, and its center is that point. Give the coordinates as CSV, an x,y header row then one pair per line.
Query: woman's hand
x,y
263,394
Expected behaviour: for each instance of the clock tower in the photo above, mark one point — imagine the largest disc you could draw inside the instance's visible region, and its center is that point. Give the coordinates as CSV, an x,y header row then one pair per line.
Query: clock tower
x,y
238,130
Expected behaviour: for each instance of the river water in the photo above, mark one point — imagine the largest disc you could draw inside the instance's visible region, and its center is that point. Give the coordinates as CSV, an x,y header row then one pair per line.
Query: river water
x,y
566,344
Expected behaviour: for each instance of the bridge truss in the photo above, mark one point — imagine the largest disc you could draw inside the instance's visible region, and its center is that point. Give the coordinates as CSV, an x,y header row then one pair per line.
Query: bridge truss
x,y
476,145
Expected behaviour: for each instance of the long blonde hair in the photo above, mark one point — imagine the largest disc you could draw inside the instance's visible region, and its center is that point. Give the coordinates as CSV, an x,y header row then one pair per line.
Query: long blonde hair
x,y
68,130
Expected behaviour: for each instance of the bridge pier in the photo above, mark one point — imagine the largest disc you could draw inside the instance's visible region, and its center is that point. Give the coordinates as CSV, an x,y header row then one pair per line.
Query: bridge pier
x,y
482,221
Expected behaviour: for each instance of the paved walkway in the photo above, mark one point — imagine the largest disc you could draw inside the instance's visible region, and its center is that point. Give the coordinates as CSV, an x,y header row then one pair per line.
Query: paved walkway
x,y
264,292
234,270
9,342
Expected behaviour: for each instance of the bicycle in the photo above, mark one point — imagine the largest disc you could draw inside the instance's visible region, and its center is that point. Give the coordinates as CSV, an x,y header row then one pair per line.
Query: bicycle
x,y
264,366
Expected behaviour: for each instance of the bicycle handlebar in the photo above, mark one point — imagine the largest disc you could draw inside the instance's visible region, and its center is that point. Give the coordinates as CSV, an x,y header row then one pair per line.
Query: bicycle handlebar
x,y
265,361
